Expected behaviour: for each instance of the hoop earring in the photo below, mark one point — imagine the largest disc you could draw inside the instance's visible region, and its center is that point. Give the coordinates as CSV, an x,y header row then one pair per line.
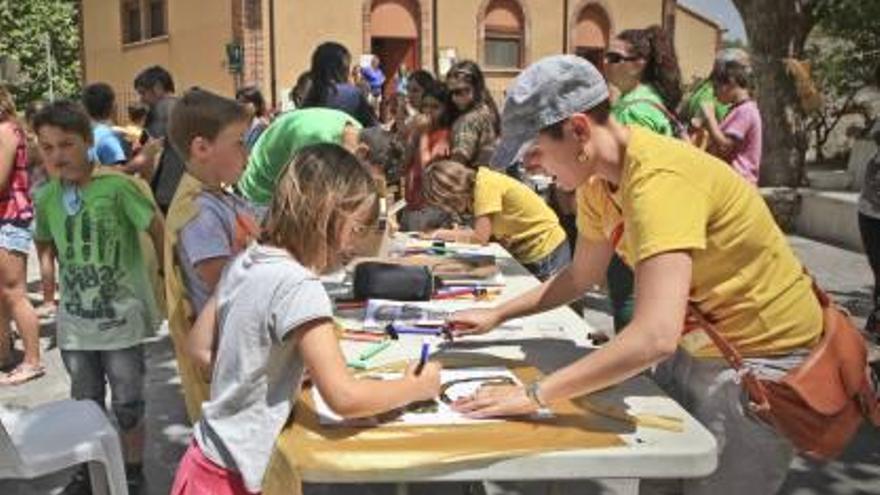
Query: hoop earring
x,y
583,157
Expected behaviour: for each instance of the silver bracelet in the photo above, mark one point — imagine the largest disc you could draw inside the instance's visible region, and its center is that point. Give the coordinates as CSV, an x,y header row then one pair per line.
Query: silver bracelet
x,y
533,393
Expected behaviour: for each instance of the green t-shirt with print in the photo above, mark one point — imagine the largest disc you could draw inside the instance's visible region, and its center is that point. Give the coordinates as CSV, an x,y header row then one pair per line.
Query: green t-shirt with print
x,y
287,134
639,107
106,302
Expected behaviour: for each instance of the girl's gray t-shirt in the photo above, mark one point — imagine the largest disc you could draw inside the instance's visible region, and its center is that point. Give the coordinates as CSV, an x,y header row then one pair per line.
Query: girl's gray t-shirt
x,y
263,296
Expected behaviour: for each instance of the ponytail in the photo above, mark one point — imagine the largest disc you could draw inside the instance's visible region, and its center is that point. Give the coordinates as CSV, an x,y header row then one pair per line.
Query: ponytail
x,y
661,64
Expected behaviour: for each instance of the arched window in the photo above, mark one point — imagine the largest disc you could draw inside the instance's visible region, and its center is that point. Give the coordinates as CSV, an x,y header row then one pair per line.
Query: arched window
x,y
504,35
590,33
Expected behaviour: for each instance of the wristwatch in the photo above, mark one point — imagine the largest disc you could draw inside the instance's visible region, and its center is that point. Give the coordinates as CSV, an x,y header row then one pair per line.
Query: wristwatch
x,y
533,392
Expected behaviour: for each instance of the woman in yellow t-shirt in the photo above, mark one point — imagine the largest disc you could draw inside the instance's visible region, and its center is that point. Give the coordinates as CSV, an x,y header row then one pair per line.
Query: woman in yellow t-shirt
x,y
504,209
694,232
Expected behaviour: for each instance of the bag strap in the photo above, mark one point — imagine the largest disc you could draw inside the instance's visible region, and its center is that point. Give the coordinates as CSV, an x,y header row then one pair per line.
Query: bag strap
x,y
731,355
677,126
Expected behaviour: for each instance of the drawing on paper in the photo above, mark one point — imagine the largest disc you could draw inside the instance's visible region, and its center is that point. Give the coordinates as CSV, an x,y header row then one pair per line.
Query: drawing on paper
x,y
457,383
381,312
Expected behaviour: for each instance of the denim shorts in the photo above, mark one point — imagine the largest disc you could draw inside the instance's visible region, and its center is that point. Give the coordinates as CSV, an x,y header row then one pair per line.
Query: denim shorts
x,y
551,264
15,238
123,369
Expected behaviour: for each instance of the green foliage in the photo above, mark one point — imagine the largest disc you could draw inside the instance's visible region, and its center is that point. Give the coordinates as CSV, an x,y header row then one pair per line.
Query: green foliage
x,y
733,43
845,46
23,25
844,52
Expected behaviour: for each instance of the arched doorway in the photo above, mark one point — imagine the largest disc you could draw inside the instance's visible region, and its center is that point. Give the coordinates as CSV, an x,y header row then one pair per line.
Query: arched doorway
x,y
590,33
395,37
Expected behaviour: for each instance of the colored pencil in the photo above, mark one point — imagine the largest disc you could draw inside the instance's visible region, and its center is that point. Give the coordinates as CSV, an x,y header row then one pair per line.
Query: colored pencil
x,y
371,351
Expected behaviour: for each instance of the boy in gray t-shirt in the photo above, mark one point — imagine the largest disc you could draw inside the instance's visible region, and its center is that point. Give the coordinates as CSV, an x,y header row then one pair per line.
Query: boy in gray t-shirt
x,y
206,225
220,229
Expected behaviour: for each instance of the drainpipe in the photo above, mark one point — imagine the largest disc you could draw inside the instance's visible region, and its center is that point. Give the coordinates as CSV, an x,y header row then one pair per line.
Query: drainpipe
x,y
668,21
565,33
435,37
272,65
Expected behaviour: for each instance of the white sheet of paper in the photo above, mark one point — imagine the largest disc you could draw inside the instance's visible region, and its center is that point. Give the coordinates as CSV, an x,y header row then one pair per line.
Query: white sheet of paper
x,y
381,312
444,415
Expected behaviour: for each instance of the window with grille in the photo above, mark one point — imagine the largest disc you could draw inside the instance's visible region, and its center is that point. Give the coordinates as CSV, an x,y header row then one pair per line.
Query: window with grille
x,y
503,35
143,20
157,18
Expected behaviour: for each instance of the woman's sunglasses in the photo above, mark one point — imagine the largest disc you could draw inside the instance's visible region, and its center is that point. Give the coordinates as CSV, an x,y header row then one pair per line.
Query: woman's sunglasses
x,y
616,58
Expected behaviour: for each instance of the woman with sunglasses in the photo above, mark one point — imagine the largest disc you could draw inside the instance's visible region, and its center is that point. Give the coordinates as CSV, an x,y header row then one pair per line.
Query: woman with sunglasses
x,y
642,65
475,116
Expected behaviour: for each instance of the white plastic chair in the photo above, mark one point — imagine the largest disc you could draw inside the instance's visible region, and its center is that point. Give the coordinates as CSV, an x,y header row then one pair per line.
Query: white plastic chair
x,y
58,435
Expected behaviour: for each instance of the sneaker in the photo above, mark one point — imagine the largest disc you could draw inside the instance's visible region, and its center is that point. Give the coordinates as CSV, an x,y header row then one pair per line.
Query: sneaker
x,y
80,484
134,477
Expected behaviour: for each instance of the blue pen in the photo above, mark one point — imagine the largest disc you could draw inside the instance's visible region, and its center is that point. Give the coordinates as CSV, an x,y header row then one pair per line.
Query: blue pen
x,y
423,359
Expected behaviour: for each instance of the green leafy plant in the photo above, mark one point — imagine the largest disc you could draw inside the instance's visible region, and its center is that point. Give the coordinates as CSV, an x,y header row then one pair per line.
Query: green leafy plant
x,y
24,25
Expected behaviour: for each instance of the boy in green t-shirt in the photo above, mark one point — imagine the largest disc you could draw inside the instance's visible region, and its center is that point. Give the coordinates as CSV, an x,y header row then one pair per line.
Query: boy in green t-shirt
x,y
107,308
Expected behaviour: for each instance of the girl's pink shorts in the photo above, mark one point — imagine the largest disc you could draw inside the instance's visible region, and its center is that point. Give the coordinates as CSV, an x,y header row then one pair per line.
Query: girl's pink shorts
x,y
198,475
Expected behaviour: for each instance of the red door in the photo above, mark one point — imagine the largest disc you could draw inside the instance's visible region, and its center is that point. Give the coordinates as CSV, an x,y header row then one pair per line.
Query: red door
x,y
394,53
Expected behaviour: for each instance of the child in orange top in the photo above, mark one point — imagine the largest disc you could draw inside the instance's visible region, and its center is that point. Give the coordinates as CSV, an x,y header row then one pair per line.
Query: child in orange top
x,y
429,144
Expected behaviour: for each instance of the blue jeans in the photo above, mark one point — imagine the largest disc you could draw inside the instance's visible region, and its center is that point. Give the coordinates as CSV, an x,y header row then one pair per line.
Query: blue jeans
x,y
122,369
551,264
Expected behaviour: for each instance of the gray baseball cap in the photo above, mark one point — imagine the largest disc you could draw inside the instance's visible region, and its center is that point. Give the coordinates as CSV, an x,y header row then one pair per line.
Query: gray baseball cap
x,y
546,92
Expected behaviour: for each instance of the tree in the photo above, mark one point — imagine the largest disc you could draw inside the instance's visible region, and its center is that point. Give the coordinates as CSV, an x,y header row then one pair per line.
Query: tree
x,y
23,26
777,30
844,50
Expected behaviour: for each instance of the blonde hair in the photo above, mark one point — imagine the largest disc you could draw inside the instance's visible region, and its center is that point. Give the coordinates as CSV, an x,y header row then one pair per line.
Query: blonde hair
x,y
7,106
449,184
318,189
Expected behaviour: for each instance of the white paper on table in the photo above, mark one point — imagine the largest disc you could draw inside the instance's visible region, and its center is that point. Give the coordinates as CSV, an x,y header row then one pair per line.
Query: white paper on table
x,y
496,280
381,312
444,414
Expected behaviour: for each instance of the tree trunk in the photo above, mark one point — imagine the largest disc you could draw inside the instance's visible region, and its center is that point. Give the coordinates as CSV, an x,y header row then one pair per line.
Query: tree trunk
x,y
777,29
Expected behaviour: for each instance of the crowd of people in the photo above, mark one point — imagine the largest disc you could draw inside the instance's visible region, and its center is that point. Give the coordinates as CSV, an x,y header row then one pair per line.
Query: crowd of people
x,y
220,215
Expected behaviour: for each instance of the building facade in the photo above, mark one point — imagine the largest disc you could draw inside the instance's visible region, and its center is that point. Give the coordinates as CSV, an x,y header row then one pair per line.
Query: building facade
x,y
225,44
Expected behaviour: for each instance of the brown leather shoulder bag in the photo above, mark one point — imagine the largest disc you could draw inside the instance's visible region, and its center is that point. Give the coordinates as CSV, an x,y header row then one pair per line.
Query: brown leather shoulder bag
x,y
820,404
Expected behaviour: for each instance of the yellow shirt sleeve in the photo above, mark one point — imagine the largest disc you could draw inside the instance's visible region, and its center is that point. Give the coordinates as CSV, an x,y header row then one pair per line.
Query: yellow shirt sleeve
x,y
666,213
488,193
590,202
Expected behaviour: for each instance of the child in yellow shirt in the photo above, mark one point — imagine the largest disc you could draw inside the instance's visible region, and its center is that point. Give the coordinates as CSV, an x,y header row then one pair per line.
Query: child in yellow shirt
x,y
503,209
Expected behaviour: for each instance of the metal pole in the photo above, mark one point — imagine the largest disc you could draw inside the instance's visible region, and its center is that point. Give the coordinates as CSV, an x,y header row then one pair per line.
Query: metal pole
x,y
273,82
47,40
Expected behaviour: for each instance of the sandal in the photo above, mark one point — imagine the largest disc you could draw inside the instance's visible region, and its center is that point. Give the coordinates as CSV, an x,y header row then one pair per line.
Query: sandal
x,y
46,310
22,373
